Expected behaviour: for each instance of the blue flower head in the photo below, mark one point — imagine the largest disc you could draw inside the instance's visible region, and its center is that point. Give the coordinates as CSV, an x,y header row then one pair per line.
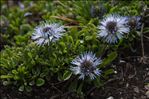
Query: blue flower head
x,y
85,65
134,22
46,33
112,28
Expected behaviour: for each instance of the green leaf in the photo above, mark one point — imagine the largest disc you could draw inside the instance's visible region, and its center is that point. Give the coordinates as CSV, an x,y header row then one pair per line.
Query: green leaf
x,y
79,90
29,54
146,30
36,71
32,83
108,72
5,83
21,88
67,75
14,72
28,88
77,44
40,82
6,76
43,74
112,56
60,78
21,69
88,38
71,40
73,86
97,82
24,28
16,77
62,44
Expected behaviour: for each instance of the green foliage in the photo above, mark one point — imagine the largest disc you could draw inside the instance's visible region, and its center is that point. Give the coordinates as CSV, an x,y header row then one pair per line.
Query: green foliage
x,y
18,65
109,59
40,82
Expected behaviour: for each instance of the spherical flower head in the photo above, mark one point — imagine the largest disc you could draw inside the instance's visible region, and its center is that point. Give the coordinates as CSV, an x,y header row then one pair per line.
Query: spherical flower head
x,y
112,28
85,65
46,33
134,22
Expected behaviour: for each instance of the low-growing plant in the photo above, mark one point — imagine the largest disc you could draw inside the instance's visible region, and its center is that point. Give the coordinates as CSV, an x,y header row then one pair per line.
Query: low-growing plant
x,y
77,49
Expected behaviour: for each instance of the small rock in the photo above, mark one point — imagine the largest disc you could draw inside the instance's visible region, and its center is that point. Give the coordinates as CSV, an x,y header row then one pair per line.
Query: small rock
x,y
134,98
147,94
127,85
111,97
115,72
136,89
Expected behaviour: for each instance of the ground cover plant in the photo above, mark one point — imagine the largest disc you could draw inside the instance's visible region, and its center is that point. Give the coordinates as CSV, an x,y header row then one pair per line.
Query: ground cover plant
x,y
74,49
